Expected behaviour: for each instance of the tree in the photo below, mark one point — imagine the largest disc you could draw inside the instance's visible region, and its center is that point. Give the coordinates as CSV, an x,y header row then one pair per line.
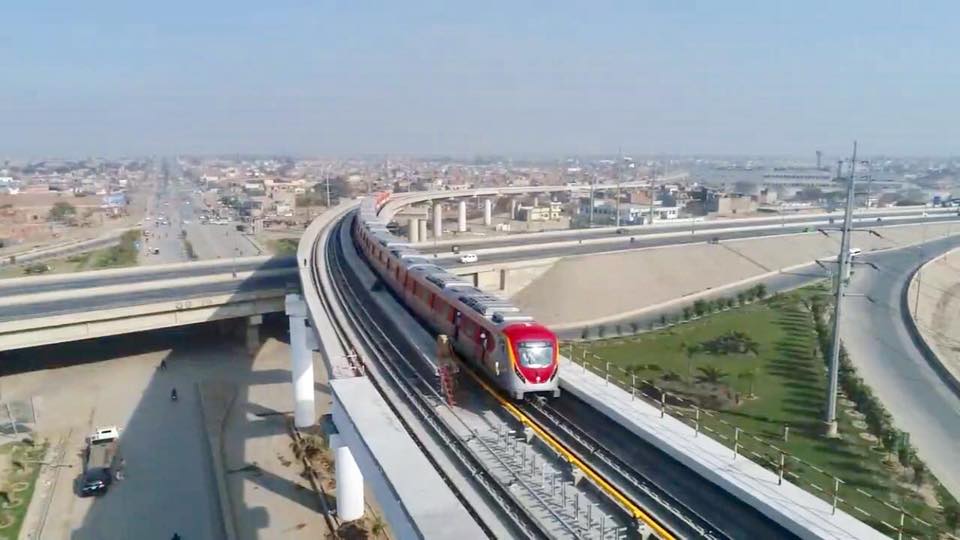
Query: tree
x,y
749,376
689,350
711,374
687,312
905,455
761,290
61,210
699,308
951,516
741,298
919,472
891,442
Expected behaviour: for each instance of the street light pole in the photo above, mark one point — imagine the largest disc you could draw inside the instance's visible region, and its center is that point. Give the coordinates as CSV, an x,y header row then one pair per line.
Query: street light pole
x,y
619,181
843,260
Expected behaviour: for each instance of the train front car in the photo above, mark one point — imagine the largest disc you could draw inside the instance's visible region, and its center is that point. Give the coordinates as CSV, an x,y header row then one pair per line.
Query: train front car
x,y
533,352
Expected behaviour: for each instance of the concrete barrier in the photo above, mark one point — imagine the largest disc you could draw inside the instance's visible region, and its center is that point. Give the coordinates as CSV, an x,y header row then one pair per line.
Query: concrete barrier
x,y
216,400
140,270
936,358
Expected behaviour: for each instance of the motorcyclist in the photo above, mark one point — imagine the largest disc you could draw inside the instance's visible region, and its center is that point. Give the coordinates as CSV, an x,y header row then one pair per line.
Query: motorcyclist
x,y
173,394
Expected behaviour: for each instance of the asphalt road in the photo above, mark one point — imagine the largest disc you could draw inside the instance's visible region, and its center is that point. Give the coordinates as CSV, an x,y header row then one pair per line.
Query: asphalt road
x,y
127,299
887,358
71,283
639,243
795,223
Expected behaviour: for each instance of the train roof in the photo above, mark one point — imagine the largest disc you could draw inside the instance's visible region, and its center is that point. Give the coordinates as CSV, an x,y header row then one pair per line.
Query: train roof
x,y
499,311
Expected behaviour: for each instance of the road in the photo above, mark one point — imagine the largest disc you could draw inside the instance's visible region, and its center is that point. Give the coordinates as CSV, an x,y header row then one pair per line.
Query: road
x,y
94,279
791,223
169,485
889,361
48,308
177,200
639,242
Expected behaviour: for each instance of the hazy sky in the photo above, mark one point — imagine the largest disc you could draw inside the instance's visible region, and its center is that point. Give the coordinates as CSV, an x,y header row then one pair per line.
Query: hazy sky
x,y
552,77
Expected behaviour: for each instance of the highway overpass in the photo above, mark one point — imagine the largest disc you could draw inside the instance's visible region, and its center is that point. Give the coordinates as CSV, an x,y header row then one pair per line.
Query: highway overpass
x,y
42,310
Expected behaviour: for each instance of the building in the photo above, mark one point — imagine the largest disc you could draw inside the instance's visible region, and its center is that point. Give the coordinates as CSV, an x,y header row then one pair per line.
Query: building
x,y
731,204
552,212
630,214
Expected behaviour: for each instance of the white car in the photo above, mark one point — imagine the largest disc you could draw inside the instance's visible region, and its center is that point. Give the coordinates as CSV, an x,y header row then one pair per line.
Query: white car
x,y
468,258
854,252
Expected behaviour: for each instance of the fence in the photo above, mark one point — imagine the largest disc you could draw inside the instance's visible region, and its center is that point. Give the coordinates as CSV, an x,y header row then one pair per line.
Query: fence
x,y
896,520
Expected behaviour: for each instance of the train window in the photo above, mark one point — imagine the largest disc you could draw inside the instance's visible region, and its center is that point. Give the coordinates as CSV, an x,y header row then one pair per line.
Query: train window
x,y
535,353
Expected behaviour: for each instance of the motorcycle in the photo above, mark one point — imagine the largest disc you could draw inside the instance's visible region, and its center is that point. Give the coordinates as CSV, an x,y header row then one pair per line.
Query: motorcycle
x,y
173,395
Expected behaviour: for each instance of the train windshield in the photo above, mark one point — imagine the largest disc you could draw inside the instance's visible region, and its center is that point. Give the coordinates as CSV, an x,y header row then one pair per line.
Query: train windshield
x,y
535,353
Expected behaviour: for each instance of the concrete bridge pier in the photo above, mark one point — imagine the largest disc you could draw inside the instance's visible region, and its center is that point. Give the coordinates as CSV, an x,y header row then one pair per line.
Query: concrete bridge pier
x,y
487,212
413,230
437,219
423,229
304,410
253,333
462,216
350,502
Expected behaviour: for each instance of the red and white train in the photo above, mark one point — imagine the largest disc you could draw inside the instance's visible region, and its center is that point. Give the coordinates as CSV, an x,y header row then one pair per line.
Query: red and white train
x,y
510,348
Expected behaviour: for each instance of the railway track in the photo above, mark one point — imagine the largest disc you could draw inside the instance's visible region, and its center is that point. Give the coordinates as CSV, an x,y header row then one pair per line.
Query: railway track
x,y
614,479
357,329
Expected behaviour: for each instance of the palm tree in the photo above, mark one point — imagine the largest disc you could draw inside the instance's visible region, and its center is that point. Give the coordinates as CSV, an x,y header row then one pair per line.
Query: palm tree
x,y
690,350
919,473
711,374
378,527
749,376
951,517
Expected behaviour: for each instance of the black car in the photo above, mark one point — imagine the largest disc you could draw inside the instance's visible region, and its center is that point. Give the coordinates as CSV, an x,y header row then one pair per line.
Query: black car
x,y
95,482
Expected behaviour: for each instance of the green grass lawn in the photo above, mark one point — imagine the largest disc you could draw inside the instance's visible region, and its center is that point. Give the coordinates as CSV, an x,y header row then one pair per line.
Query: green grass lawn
x,y
18,484
122,255
788,379
284,246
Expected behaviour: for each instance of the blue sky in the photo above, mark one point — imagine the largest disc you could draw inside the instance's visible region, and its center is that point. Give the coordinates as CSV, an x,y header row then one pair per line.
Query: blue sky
x,y
545,78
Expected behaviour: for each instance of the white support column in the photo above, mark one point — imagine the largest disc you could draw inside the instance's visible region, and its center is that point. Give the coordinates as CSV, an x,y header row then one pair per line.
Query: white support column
x,y
437,219
349,481
304,410
413,230
462,216
487,212
253,333
423,229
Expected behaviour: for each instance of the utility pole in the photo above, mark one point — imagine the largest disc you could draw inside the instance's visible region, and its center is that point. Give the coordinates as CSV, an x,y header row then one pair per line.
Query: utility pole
x,y
653,190
619,181
843,260
593,181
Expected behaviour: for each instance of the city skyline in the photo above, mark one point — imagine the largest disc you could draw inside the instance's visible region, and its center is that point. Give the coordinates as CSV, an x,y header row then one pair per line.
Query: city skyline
x,y
330,79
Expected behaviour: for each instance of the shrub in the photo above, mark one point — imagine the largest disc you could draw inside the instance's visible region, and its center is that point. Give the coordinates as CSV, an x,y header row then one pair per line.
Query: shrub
x,y
699,308
687,312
